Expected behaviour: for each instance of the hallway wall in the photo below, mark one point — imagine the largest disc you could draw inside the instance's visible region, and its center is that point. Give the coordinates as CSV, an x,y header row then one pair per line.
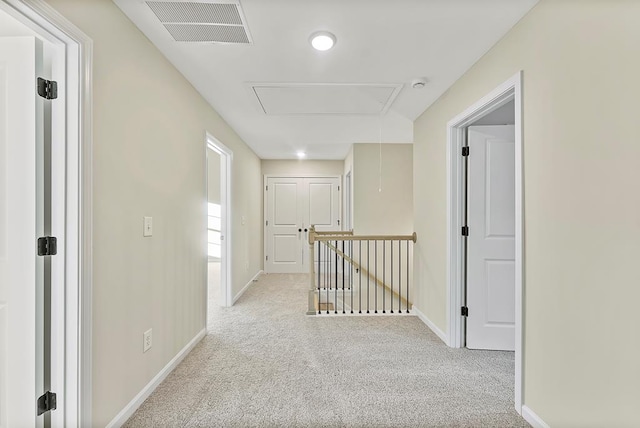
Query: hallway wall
x,y
149,160
386,210
302,167
581,207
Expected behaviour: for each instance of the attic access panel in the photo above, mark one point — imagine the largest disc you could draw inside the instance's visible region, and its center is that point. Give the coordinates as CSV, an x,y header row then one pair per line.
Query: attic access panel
x,y
324,98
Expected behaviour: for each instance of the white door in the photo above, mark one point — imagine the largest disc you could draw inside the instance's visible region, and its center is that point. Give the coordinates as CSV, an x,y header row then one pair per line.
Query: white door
x,y
293,205
21,223
284,225
322,210
491,240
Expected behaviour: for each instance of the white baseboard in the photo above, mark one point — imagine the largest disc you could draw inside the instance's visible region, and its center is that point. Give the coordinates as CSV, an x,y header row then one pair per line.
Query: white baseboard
x,y
246,287
430,324
535,420
133,405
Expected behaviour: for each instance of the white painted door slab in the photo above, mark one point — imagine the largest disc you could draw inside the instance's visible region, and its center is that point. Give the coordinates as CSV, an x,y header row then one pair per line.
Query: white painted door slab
x,y
284,224
491,240
323,208
293,205
21,222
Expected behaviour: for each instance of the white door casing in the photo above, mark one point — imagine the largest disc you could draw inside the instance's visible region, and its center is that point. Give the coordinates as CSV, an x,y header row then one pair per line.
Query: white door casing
x,y
491,240
226,163
21,223
293,204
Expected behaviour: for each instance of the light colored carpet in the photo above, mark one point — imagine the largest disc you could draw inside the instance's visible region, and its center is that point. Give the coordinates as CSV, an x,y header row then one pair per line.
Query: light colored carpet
x,y
266,364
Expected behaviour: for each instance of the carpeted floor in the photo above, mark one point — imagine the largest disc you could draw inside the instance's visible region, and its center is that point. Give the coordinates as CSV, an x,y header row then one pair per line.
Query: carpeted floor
x,y
266,364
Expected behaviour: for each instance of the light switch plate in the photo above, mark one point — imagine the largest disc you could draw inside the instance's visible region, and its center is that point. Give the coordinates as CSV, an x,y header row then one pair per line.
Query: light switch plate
x,y
148,226
147,340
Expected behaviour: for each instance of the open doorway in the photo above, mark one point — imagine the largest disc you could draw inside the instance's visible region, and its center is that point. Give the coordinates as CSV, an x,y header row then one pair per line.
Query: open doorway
x,y
484,225
219,292
489,238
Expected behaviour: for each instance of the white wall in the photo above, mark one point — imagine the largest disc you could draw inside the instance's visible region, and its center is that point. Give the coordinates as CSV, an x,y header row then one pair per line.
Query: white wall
x,y
581,207
149,160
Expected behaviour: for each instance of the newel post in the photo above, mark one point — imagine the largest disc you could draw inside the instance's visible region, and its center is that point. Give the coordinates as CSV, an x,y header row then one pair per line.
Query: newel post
x,y
312,275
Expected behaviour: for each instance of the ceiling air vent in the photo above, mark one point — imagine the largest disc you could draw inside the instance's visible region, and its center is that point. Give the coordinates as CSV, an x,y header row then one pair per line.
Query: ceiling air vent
x,y
202,22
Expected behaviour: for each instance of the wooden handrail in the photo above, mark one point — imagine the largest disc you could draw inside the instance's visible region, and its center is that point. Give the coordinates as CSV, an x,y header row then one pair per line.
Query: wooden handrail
x,y
412,237
335,232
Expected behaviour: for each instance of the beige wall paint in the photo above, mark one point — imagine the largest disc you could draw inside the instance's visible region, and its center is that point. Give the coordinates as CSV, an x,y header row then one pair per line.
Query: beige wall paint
x,y
581,208
213,175
389,211
302,167
149,160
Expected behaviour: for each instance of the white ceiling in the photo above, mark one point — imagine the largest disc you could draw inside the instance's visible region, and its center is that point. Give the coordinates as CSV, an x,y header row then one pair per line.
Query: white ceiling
x,y
380,43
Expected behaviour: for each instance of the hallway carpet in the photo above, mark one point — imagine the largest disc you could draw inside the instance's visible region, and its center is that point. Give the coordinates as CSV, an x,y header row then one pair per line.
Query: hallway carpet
x,y
266,364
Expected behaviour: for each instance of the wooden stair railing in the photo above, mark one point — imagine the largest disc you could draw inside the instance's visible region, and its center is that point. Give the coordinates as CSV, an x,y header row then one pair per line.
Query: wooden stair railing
x,y
325,275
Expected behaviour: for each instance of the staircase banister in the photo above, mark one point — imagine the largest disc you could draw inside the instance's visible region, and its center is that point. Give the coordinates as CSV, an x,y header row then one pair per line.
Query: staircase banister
x,y
413,237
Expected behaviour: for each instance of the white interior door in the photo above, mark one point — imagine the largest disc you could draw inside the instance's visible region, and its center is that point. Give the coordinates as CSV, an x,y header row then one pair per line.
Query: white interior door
x,y
491,240
284,225
293,205
21,223
322,210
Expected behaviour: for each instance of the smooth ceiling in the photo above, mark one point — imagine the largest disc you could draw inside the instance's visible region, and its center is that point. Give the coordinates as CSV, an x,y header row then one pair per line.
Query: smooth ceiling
x,y
378,42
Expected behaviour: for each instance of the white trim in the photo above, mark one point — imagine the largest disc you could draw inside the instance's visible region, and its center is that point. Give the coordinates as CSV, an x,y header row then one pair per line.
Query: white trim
x,y
266,176
434,328
246,287
509,90
347,191
226,164
534,420
133,405
74,405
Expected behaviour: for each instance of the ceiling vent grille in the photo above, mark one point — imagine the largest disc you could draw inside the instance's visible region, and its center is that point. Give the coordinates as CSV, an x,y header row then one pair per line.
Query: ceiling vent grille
x,y
202,22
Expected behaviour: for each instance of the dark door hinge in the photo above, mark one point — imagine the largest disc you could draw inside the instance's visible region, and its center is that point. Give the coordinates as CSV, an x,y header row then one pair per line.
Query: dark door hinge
x,y
47,89
464,311
267,258
267,188
465,151
465,230
267,223
338,188
46,402
47,246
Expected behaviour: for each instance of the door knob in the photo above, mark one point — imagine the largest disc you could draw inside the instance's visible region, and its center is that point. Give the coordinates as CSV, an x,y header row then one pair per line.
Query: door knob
x,y
300,230
306,230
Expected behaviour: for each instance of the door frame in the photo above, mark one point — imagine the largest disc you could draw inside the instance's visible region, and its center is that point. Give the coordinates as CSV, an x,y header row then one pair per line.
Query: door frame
x,y
348,201
265,203
226,161
506,92
72,189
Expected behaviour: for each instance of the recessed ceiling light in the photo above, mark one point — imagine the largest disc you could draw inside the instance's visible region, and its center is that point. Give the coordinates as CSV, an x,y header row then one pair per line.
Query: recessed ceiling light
x,y
322,40
301,155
